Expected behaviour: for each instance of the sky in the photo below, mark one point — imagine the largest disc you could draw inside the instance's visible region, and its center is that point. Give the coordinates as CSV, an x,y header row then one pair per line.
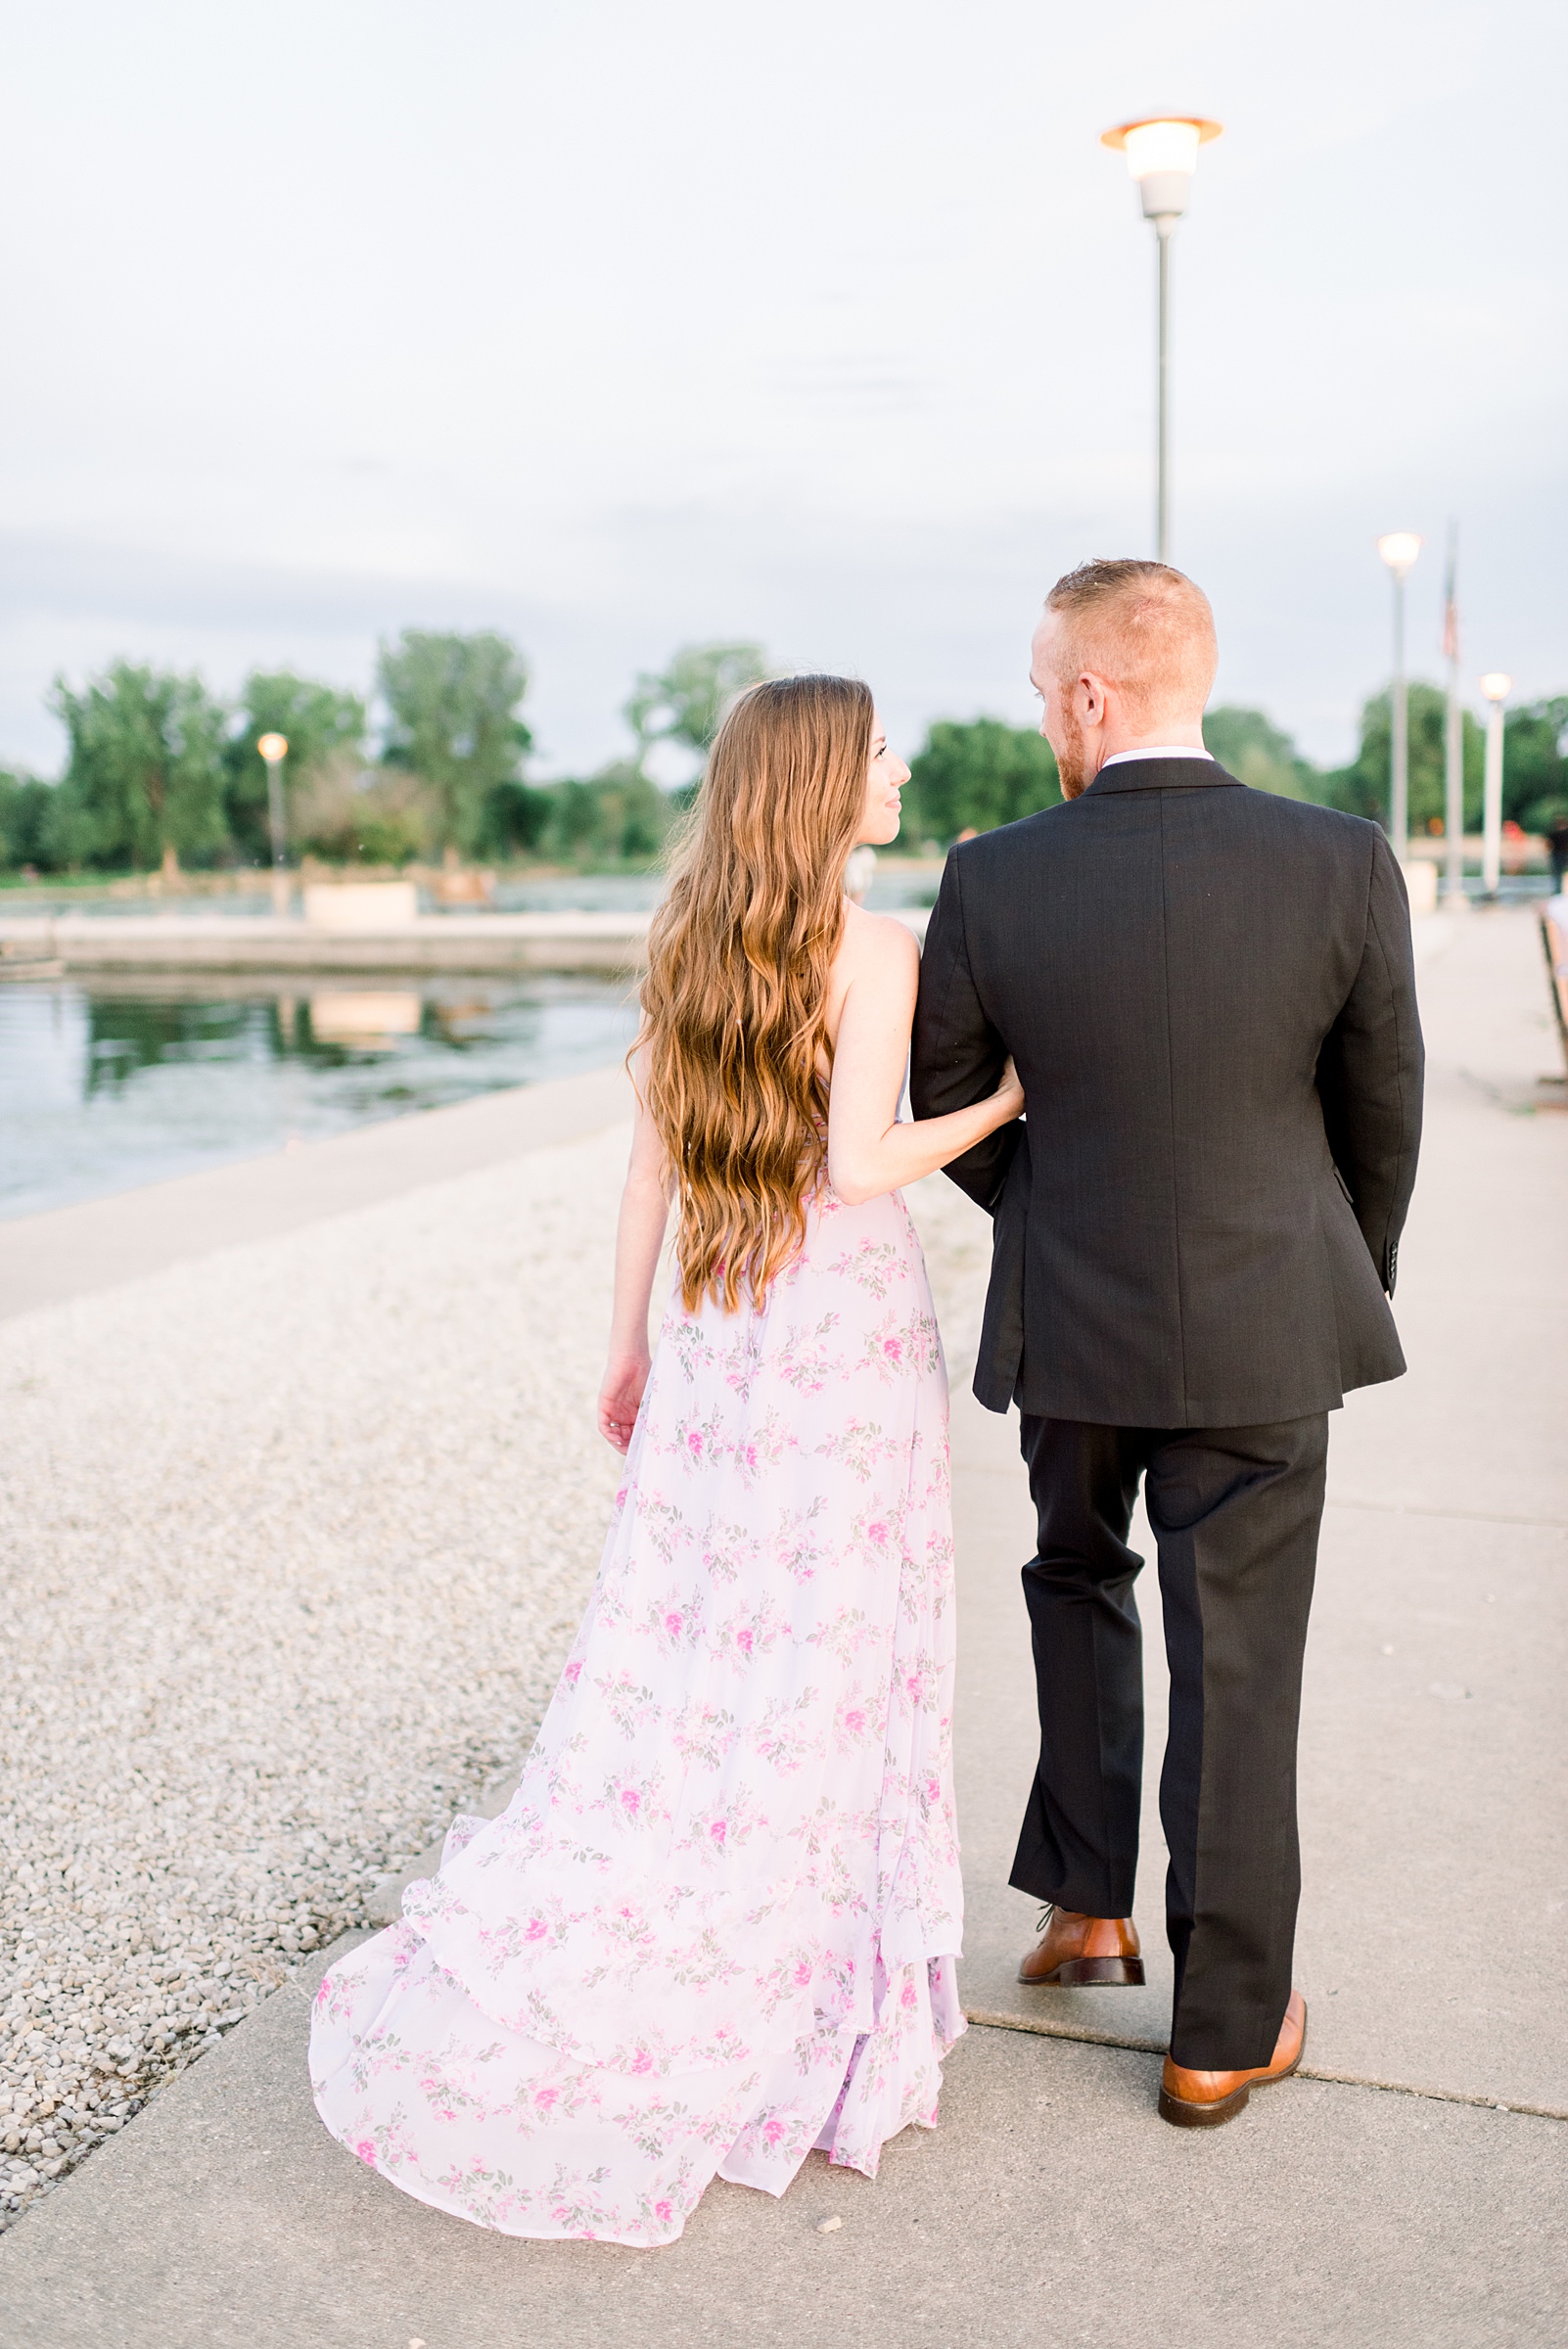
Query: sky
x,y
617,327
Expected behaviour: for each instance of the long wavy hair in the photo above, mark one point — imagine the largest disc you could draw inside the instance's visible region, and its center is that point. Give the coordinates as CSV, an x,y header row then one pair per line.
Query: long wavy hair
x,y
733,1042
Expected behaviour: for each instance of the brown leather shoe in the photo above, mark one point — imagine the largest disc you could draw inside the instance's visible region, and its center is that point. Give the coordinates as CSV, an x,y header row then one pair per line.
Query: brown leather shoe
x,y
1208,2099
1074,1951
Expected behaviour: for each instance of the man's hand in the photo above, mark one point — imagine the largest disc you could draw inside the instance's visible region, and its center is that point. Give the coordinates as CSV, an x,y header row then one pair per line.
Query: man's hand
x,y
620,1394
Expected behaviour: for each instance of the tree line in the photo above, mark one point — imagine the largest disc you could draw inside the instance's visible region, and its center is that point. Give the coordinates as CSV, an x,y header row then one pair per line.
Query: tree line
x,y
160,771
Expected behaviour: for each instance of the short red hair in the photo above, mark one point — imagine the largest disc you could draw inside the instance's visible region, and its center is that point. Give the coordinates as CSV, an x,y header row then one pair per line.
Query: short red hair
x,y
1143,628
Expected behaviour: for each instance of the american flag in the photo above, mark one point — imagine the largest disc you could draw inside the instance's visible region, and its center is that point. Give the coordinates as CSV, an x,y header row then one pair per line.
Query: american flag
x,y
1451,605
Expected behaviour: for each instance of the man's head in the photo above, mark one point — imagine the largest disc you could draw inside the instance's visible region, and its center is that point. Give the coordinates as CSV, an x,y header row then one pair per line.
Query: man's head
x,y
1124,659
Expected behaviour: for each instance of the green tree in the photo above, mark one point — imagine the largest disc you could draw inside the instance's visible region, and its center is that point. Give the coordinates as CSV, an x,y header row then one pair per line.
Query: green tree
x,y
684,701
973,777
145,775
616,818
1362,787
1535,771
23,811
453,704
318,721
516,818
1256,753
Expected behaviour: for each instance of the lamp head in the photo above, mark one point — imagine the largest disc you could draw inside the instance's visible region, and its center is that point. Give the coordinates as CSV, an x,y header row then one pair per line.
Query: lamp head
x,y
1495,686
273,747
1399,550
1162,155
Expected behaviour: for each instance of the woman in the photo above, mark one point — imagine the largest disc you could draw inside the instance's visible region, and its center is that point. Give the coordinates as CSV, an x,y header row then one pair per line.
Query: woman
x,y
718,1924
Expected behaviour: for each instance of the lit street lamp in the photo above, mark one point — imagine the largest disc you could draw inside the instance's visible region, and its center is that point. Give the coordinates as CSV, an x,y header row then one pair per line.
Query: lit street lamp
x,y
1399,550
274,748
1162,155
1496,688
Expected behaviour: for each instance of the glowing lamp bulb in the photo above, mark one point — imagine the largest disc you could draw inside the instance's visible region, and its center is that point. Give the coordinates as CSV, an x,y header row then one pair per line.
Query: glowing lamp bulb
x,y
273,747
1399,549
1162,155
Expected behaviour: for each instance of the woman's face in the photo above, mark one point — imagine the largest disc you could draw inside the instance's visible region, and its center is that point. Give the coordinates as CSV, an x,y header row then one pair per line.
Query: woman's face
x,y
885,777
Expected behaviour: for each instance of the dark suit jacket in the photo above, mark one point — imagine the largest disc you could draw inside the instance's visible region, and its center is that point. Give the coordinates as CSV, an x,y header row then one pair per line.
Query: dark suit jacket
x,y
1209,998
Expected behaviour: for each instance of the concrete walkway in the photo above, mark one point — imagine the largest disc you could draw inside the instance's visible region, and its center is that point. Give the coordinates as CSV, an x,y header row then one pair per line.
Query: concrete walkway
x,y
1383,2198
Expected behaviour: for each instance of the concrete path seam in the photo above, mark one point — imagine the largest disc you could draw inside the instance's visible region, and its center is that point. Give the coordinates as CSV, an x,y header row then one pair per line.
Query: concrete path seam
x,y
1042,2028
1415,1509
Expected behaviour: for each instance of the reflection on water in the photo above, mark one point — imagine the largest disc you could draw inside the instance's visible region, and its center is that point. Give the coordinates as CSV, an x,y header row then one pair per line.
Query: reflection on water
x,y
106,1084
899,883
372,1022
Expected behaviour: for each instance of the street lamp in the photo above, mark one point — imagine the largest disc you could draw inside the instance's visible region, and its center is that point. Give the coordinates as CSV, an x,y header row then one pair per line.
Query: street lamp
x,y
274,748
1496,687
1399,550
1162,155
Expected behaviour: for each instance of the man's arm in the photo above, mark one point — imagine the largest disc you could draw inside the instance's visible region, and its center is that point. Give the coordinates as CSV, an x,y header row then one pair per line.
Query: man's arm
x,y
956,1055
1369,1072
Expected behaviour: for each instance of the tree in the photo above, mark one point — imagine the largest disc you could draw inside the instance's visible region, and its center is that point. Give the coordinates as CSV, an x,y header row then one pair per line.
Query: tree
x,y
516,816
973,777
1362,787
23,807
685,701
318,721
1535,771
453,704
1256,753
144,777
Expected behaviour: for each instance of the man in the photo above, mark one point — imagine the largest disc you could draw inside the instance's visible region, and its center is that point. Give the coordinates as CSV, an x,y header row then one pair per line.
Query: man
x,y
1210,999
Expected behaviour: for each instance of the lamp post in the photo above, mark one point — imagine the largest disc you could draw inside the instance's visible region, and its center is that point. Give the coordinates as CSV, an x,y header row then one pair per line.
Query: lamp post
x,y
274,748
1453,739
1162,155
1496,687
1399,550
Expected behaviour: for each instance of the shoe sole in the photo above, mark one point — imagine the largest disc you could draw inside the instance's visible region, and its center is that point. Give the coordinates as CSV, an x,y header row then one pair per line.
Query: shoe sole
x,y
1089,1973
1185,2115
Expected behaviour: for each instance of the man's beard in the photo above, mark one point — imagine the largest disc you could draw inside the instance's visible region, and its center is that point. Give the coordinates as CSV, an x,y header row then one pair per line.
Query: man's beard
x,y
1071,759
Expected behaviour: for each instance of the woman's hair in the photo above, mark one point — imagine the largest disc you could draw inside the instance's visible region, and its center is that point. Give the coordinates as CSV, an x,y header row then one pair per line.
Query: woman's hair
x,y
732,1040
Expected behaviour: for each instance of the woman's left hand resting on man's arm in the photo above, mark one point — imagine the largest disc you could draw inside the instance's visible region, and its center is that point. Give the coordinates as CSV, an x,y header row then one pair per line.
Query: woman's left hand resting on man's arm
x,y
877,974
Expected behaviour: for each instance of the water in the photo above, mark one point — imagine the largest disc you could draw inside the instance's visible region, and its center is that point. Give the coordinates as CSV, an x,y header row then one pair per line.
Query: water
x,y
106,1085
898,884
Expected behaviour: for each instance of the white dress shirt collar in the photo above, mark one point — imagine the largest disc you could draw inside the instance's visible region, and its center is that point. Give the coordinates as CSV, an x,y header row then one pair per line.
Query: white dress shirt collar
x,y
1164,749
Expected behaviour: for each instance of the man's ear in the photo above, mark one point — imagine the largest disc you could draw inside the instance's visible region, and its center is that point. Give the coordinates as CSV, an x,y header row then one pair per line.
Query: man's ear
x,y
1093,689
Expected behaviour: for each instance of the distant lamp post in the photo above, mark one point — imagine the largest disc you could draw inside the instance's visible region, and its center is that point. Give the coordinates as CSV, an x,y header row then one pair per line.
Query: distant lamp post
x,y
1162,155
1496,687
274,748
1399,550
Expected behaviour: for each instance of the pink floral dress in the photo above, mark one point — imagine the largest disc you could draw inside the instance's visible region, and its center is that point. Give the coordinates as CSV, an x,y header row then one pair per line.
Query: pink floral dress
x,y
718,1924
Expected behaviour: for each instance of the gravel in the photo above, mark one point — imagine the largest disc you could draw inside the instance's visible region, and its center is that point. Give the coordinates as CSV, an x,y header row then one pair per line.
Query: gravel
x,y
292,1543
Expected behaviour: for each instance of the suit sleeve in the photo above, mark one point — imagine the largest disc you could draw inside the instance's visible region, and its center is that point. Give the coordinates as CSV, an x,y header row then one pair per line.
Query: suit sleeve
x,y
1370,1067
956,1055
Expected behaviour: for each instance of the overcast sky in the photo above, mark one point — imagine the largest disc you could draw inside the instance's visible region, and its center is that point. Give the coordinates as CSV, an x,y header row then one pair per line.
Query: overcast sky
x,y
614,326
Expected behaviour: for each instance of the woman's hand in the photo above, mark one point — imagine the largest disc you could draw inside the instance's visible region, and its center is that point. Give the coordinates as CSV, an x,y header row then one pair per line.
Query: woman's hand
x,y
621,1392
1009,1091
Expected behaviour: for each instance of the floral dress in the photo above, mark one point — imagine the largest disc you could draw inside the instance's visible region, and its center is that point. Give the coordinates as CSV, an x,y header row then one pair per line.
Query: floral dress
x,y
718,1924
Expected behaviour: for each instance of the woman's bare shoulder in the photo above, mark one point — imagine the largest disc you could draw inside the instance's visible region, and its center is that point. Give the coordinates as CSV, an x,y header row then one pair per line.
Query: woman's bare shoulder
x,y
878,943
880,955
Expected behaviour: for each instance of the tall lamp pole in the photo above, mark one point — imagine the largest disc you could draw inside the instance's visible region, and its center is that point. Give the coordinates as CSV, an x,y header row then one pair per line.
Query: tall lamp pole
x,y
1399,550
1162,155
1453,737
1496,687
274,748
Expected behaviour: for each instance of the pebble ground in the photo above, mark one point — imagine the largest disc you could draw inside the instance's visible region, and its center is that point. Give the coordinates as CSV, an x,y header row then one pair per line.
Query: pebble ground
x,y
292,1543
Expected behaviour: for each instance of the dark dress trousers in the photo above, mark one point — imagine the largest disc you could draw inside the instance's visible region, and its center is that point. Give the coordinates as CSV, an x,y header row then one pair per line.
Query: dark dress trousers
x,y
1210,999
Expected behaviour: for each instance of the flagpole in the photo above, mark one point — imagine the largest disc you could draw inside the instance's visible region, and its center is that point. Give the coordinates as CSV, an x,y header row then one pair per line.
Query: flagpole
x,y
1452,738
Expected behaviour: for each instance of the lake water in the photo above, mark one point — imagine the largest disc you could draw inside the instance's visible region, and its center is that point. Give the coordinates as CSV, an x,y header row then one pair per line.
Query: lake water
x,y
898,884
106,1084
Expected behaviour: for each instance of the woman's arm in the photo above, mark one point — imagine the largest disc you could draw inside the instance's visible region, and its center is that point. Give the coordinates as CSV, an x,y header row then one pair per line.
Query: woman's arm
x,y
640,1236
868,1151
